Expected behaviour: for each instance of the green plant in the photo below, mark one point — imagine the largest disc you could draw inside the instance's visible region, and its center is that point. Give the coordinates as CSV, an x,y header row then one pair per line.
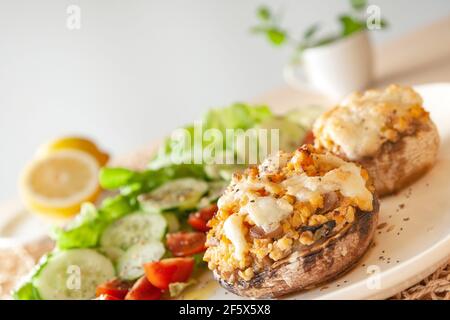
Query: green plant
x,y
350,23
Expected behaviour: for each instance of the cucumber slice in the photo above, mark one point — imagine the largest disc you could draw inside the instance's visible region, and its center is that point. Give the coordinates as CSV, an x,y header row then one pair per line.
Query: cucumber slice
x,y
113,253
130,265
73,275
291,134
181,194
305,116
134,228
227,173
213,171
222,171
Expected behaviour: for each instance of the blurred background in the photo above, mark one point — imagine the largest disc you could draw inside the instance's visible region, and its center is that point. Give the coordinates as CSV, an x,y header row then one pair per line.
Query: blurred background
x,y
138,69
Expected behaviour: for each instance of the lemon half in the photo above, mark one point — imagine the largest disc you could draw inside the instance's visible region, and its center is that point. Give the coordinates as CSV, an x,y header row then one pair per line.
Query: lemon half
x,y
77,143
59,182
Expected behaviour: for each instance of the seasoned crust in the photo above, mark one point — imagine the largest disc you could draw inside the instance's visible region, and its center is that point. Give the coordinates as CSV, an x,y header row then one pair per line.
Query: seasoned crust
x,y
312,266
399,164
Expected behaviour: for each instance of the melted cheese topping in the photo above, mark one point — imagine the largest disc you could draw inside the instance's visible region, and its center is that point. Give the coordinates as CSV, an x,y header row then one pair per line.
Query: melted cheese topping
x,y
233,230
356,126
267,212
274,162
238,190
269,195
346,178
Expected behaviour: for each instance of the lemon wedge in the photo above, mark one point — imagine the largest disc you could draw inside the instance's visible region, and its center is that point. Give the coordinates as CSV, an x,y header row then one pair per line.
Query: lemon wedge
x,y
60,182
76,143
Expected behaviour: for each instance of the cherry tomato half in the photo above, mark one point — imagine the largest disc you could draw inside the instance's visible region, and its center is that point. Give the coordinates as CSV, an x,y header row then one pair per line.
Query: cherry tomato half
x,y
116,288
162,273
199,220
143,290
183,244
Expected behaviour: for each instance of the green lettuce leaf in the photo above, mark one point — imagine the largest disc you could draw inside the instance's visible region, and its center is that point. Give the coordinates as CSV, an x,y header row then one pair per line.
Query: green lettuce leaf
x,y
85,229
237,116
82,232
25,290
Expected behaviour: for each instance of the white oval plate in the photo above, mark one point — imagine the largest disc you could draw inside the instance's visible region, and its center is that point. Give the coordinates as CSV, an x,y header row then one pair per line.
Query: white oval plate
x,y
412,241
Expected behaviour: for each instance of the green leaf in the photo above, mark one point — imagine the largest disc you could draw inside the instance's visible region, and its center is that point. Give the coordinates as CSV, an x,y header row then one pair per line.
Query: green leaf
x,y
264,13
26,290
384,24
326,40
358,5
113,178
350,25
276,36
82,232
85,229
116,207
236,116
199,263
309,33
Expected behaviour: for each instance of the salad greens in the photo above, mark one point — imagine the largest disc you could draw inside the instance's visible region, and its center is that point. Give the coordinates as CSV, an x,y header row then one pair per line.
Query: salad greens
x,y
129,187
238,116
26,290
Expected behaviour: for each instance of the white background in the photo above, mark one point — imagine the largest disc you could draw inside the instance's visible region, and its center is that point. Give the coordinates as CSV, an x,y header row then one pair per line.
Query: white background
x,y
137,69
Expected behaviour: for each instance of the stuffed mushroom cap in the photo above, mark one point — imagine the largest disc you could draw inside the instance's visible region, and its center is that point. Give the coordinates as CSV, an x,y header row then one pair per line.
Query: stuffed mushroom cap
x,y
387,131
295,221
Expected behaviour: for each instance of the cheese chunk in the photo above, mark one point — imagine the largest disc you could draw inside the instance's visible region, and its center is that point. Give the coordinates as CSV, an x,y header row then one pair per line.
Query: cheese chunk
x,y
237,190
233,229
346,178
267,212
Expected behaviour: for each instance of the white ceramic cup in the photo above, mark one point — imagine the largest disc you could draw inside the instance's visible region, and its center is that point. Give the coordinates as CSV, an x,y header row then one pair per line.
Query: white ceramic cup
x,y
336,69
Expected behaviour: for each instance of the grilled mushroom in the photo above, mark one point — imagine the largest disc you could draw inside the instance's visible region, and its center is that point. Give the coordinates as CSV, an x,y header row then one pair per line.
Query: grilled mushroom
x,y
387,131
311,226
